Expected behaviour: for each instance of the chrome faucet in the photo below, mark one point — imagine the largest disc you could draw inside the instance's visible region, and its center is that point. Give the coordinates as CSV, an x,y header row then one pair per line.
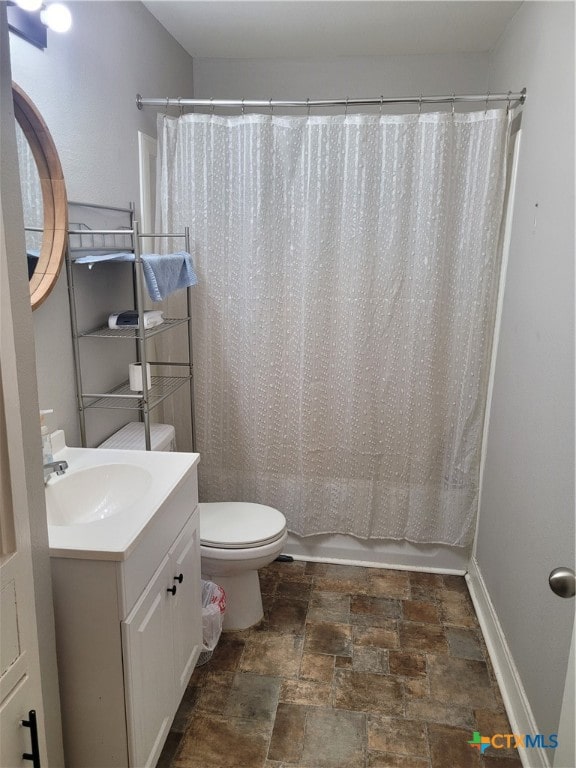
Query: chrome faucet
x,y
54,467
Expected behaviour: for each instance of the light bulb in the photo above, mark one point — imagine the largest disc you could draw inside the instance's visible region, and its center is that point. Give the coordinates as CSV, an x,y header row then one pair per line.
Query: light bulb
x,y
29,5
57,17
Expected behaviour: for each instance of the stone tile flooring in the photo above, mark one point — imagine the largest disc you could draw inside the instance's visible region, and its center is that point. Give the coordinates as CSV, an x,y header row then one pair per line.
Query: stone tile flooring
x,y
351,668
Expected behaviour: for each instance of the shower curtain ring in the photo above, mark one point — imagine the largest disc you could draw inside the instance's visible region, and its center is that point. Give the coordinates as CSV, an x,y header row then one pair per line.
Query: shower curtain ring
x,y
243,111
346,107
486,104
453,102
420,105
508,104
166,107
271,107
381,102
308,107
212,106
180,105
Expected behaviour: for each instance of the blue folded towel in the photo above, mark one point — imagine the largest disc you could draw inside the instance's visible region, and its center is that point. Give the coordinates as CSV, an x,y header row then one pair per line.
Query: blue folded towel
x,y
168,273
163,274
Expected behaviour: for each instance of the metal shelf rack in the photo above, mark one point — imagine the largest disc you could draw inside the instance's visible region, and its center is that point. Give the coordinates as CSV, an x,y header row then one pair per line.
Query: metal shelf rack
x,y
83,240
104,332
123,397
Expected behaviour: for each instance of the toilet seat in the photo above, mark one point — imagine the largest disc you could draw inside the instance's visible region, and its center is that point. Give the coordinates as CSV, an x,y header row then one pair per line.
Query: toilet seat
x,y
239,525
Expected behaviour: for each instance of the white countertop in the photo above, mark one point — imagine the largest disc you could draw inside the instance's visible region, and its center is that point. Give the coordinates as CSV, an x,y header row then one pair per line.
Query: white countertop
x,y
114,537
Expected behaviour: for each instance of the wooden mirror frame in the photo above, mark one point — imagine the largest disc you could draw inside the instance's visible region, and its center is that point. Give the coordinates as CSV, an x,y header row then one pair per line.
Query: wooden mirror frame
x,y
54,198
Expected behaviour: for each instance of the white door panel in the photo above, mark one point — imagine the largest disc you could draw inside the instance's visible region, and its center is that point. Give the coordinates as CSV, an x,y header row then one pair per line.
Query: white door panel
x,y
148,662
186,603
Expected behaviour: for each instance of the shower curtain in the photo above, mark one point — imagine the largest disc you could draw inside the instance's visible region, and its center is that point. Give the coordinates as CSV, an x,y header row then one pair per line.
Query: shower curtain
x,y
348,272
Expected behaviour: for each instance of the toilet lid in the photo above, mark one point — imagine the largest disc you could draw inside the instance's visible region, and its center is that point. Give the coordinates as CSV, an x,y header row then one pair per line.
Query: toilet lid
x,y
237,525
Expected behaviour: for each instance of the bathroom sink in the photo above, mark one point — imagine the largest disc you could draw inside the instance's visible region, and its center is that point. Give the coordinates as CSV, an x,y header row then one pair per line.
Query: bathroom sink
x,y
109,500
95,493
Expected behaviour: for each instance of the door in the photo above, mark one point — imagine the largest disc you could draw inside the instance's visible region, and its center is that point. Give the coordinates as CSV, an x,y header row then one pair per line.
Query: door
x,y
565,754
20,682
186,604
149,669
20,689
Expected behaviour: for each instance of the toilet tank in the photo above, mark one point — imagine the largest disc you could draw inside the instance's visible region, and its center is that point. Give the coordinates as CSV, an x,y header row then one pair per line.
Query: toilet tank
x,y
131,438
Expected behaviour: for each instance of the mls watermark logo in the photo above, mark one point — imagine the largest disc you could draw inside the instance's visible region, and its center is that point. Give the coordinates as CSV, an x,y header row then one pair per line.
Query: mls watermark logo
x,y
513,741
480,742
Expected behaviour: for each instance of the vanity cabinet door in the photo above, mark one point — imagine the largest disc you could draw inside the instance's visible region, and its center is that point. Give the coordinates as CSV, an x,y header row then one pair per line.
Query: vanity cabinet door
x,y
186,604
149,668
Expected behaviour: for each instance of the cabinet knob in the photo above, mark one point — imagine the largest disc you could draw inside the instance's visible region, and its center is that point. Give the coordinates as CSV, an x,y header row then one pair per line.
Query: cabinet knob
x,y
179,578
172,589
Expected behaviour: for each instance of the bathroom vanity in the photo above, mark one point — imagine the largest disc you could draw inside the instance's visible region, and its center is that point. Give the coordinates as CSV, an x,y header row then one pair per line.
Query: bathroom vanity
x,y
127,599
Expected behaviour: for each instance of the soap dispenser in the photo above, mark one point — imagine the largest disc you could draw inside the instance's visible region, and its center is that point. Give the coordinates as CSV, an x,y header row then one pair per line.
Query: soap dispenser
x,y
47,455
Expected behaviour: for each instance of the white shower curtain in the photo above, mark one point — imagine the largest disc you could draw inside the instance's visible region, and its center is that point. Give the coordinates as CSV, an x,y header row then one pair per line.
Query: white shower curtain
x,y
348,272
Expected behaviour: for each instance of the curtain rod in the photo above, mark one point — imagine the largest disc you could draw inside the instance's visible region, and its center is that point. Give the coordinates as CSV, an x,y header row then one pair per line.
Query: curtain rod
x,y
453,98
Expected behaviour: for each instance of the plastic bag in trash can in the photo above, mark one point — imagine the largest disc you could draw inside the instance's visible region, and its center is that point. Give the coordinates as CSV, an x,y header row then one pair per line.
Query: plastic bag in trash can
x,y
213,607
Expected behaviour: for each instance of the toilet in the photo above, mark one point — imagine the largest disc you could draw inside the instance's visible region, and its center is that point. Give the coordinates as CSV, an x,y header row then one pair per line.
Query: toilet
x,y
236,538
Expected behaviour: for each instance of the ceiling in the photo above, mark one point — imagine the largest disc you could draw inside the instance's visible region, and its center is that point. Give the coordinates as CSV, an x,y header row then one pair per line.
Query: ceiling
x,y
329,28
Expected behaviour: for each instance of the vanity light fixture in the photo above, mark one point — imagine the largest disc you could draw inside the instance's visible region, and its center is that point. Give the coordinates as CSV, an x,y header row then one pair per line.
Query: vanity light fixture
x,y
56,16
31,18
29,5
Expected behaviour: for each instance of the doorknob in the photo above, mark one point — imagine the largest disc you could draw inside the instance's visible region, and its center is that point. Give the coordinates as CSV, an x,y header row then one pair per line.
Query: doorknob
x,y
562,582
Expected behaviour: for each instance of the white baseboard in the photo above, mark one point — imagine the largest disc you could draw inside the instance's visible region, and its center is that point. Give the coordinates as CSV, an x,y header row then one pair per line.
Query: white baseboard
x,y
374,553
515,700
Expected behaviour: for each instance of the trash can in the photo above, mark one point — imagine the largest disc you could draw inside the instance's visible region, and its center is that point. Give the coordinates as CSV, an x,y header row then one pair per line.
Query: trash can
x,y
213,607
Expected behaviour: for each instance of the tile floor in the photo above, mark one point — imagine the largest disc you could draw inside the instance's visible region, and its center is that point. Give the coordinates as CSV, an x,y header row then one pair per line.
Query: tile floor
x,y
351,668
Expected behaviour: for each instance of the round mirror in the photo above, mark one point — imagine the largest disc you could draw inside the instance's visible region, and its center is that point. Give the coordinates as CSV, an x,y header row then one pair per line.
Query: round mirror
x,y
32,205
43,198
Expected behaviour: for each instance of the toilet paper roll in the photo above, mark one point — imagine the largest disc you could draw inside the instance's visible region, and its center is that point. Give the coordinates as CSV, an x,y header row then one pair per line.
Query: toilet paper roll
x,y
135,376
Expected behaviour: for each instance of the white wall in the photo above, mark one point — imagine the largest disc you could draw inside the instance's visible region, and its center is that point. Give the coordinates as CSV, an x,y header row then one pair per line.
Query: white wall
x,y
526,525
85,86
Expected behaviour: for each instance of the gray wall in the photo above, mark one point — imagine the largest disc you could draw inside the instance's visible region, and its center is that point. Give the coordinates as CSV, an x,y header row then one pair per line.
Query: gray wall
x,y
340,77
526,524
85,86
